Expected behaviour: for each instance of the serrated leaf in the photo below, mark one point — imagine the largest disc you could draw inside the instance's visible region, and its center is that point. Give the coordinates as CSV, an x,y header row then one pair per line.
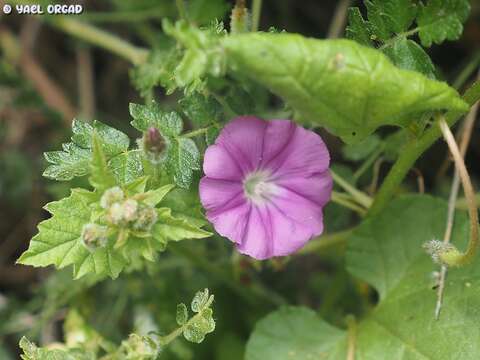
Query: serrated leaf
x,y
101,176
153,197
74,159
309,74
146,116
201,109
441,20
157,70
357,28
59,241
182,314
408,55
32,352
183,158
200,326
387,17
169,228
386,251
127,166
200,300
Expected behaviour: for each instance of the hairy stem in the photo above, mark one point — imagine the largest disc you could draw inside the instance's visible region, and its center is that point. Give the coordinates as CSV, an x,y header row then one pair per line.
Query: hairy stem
x,y
337,26
342,200
454,258
197,132
413,151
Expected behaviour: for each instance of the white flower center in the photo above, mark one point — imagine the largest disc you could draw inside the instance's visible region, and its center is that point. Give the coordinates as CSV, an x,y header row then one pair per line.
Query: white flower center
x,y
258,187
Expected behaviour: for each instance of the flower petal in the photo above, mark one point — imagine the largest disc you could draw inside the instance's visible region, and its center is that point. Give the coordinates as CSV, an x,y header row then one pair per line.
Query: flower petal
x,y
218,164
316,187
243,140
303,155
218,194
232,222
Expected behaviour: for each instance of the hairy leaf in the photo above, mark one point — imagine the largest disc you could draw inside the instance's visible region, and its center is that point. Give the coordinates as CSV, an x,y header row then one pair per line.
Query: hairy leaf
x,y
59,240
74,159
357,28
182,159
386,251
146,116
101,177
309,74
441,20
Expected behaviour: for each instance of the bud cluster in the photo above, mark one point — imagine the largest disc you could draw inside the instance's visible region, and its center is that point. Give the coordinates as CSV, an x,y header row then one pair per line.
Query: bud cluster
x,y
94,235
127,212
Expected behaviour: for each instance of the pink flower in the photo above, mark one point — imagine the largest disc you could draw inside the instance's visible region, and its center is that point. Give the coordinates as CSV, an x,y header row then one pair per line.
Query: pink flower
x,y
265,185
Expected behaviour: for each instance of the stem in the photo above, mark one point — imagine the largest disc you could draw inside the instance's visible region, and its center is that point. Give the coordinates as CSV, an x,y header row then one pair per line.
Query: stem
x,y
197,132
256,12
342,200
351,337
181,9
101,38
368,163
167,339
412,152
404,34
338,23
466,136
359,196
453,257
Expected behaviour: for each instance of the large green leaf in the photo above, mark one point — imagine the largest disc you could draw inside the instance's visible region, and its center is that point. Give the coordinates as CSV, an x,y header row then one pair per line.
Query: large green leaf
x,y
386,251
348,88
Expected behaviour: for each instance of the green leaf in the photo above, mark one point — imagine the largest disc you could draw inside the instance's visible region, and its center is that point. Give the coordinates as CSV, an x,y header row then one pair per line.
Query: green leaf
x,y
200,326
200,109
169,228
183,158
386,251
32,352
309,74
441,20
127,166
357,28
182,314
157,70
101,177
153,197
59,240
205,11
361,150
74,159
146,116
200,300
408,55
294,333
390,16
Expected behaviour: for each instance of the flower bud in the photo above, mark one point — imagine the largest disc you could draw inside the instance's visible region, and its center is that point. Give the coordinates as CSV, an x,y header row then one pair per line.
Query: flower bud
x,y
239,21
94,235
111,196
442,253
115,214
147,217
130,210
153,145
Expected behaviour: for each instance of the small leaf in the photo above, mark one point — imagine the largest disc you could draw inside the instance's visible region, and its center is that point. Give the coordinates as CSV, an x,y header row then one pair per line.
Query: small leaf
x,y
357,27
101,177
200,300
441,20
182,314
183,158
74,159
146,116
169,228
200,109
408,55
153,197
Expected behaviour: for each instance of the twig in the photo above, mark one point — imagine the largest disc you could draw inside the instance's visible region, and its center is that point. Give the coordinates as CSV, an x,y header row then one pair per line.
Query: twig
x,y
451,256
466,136
339,19
352,337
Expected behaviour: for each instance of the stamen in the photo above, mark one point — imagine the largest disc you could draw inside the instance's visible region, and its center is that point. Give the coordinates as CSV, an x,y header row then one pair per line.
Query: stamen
x,y
258,187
